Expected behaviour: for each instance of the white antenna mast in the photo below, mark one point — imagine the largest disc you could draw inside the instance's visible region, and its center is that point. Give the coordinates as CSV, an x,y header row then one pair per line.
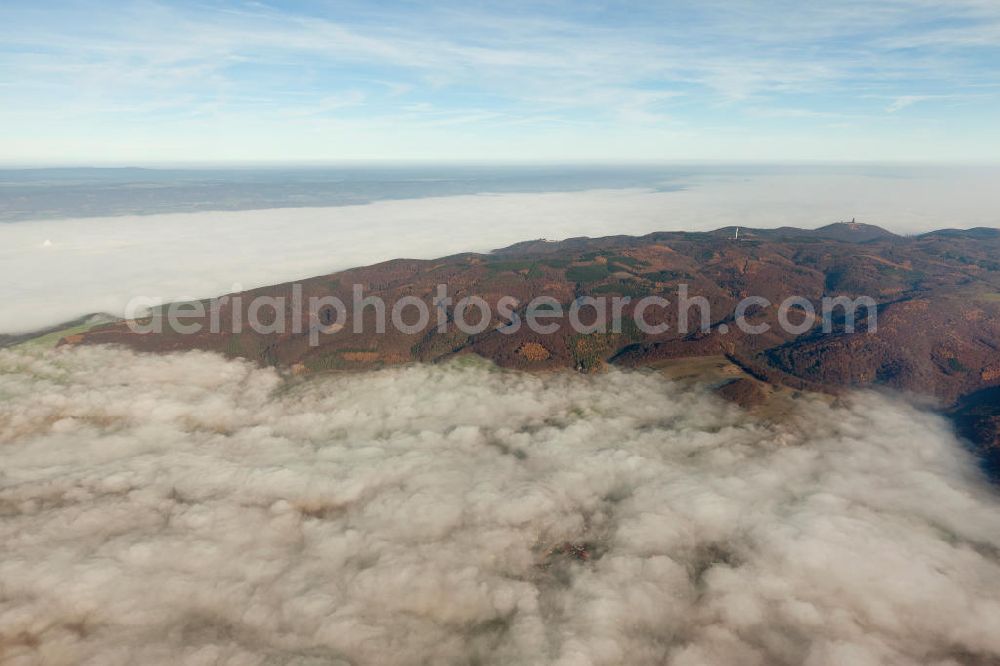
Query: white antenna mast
x,y
737,236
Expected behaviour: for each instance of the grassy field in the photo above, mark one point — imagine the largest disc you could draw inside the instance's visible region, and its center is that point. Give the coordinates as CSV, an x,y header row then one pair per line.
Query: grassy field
x,y
49,338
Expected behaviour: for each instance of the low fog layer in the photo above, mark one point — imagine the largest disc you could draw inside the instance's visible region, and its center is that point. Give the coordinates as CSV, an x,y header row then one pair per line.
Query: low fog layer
x,y
54,271
188,509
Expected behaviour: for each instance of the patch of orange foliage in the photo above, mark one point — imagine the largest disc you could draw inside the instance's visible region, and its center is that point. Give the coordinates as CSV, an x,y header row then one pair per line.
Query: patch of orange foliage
x,y
360,357
533,351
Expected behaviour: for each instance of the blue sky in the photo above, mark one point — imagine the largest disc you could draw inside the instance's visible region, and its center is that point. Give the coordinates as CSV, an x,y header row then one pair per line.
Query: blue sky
x,y
153,82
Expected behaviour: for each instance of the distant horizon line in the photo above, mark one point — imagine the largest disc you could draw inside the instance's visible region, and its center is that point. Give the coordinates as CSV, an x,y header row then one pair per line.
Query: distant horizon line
x,y
423,162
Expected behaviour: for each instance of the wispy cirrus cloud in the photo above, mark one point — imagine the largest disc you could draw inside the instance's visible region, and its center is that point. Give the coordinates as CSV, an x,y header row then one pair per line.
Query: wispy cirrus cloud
x,y
620,68
901,103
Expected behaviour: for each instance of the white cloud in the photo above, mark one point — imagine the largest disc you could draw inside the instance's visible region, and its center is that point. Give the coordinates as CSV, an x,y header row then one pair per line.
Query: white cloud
x,y
901,103
188,509
330,103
